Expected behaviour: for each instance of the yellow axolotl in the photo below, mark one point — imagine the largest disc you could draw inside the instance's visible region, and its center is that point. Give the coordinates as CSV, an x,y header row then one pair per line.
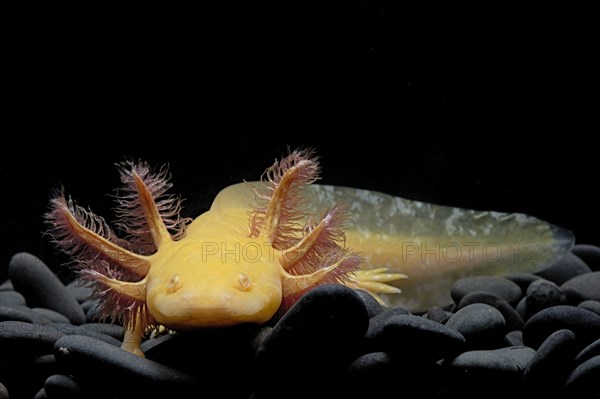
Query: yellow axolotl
x,y
264,244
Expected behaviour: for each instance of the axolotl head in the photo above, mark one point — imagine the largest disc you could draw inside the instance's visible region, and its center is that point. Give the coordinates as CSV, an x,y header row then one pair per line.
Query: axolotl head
x,y
187,289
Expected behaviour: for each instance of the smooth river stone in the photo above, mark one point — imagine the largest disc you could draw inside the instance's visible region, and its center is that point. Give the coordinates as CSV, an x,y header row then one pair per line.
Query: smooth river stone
x,y
592,306
585,287
212,353
585,325
373,307
25,339
41,288
12,314
436,313
499,286
114,330
413,336
514,338
69,329
323,332
329,321
36,317
590,254
63,386
80,292
373,338
543,294
522,279
583,382
552,362
482,325
51,315
588,352
8,298
512,360
130,375
564,269
512,318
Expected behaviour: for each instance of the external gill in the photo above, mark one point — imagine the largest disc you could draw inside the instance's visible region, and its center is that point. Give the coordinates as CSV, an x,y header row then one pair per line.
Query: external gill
x,y
117,275
313,254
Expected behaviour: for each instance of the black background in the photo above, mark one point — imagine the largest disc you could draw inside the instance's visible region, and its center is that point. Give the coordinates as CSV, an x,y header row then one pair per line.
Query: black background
x,y
483,105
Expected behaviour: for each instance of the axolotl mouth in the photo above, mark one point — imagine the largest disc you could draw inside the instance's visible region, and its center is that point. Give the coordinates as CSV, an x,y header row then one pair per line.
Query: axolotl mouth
x,y
193,309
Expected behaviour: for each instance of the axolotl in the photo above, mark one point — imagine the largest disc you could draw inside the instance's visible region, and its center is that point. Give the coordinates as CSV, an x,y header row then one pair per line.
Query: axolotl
x,y
264,244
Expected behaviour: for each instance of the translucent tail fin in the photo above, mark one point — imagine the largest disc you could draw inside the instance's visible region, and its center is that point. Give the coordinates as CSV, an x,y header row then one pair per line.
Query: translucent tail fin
x,y
435,245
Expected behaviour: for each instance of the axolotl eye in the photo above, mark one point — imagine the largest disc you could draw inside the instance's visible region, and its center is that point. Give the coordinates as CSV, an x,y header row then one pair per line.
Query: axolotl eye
x,y
244,283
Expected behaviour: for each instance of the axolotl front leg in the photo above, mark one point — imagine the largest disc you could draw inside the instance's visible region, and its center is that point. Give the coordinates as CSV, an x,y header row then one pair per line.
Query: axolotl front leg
x,y
118,275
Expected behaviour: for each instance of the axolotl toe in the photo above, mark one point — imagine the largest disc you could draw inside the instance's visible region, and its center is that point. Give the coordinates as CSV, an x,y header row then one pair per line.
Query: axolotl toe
x,y
263,244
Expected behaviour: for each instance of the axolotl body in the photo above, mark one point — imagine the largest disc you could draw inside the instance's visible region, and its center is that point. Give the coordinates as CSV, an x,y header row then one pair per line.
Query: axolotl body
x,y
262,245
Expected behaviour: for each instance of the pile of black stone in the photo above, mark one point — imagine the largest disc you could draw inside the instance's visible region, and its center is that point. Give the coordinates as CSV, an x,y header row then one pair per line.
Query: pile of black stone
x,y
522,334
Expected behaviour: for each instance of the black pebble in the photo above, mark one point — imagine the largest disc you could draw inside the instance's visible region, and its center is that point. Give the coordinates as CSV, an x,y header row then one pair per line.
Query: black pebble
x,y
25,339
41,394
512,359
8,298
551,364
41,288
62,386
86,305
91,314
584,287
370,366
520,308
592,306
88,358
499,286
435,313
590,254
373,339
114,330
51,315
7,286
44,365
35,316
227,351
80,292
373,307
3,392
564,269
522,279
493,373
585,325
328,319
376,374
512,318
69,329
514,338
322,331
543,294
583,383
588,352
414,336
480,324
12,314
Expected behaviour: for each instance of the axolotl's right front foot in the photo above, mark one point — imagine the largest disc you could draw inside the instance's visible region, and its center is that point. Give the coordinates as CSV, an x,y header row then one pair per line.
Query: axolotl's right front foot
x,y
374,281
